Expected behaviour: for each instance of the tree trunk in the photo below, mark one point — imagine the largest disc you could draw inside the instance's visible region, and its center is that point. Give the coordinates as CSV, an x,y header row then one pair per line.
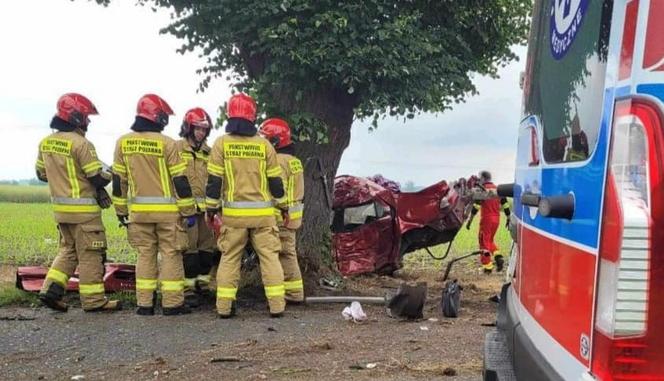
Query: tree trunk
x,y
335,109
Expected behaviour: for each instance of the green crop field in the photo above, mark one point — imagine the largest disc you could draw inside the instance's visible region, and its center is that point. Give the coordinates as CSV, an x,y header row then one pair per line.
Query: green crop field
x,y
24,193
28,235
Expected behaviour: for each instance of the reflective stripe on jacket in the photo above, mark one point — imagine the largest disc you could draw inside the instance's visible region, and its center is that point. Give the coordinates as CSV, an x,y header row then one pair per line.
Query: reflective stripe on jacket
x,y
292,174
146,163
67,160
244,163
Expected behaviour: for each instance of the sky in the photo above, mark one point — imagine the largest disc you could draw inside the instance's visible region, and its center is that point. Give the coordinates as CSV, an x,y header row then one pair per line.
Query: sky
x,y
114,55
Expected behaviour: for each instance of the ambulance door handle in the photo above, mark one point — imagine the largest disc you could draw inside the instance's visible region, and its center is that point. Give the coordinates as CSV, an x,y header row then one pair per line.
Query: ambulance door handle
x,y
557,206
530,199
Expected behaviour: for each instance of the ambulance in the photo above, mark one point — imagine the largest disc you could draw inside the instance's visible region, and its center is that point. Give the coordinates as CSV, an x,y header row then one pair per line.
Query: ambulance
x,y
584,298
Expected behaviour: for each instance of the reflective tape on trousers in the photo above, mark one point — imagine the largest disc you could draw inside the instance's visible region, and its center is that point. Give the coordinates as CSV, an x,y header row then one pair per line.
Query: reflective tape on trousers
x,y
275,291
89,289
172,285
226,292
146,284
58,276
293,285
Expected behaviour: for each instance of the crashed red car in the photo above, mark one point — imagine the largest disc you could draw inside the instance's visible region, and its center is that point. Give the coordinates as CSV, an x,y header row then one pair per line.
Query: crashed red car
x,y
373,226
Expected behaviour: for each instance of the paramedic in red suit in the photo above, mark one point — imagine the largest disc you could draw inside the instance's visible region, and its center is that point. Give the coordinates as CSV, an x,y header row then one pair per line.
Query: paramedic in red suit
x,y
489,223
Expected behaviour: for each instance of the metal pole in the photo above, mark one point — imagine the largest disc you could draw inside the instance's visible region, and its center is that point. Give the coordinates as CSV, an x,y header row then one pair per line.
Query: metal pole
x,y
346,299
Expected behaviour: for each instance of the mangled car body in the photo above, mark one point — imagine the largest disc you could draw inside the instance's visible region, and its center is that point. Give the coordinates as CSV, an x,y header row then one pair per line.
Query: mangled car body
x,y
373,226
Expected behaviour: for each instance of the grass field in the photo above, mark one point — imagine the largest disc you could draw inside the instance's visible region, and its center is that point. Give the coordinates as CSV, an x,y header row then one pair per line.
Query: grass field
x,y
28,235
24,193
464,243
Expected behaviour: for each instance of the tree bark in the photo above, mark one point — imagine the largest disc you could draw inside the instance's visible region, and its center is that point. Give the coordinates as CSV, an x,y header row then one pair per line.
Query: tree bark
x,y
335,109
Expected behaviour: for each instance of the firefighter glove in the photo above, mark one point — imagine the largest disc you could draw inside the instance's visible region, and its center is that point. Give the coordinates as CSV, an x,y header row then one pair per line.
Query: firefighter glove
x,y
190,221
285,216
103,199
209,215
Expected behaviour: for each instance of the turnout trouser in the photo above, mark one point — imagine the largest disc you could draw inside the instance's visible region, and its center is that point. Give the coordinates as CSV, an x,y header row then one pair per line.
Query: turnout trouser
x,y
169,239
82,245
265,240
198,258
288,258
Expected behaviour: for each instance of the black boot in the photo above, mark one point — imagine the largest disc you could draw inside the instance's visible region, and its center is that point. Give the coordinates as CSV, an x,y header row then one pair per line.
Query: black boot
x,y
145,311
52,298
500,262
172,311
191,299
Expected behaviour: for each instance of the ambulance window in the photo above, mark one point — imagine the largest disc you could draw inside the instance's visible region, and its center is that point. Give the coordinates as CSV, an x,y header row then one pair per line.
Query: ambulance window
x,y
528,149
564,81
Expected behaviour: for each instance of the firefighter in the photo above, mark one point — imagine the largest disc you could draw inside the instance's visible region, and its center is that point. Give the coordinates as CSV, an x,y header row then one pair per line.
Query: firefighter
x,y
489,222
76,179
244,166
153,199
289,208
197,259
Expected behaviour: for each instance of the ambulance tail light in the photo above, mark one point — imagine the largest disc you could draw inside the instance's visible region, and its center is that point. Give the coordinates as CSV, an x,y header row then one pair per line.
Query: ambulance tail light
x,y
628,340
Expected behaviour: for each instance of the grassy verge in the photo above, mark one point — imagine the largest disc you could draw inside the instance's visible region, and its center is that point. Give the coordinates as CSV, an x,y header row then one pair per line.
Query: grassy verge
x,y
12,296
128,298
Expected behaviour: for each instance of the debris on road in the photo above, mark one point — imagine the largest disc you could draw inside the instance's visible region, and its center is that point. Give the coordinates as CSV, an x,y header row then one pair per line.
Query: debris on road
x,y
225,359
363,365
408,302
354,312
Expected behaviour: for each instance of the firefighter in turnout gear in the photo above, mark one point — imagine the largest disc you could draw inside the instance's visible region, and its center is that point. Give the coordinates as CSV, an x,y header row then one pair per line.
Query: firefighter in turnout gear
x,y
289,208
153,198
489,223
197,259
243,166
76,179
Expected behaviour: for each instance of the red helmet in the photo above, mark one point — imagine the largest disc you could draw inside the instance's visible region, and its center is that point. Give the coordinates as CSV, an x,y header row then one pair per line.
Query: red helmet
x,y
75,109
153,107
241,106
195,117
277,132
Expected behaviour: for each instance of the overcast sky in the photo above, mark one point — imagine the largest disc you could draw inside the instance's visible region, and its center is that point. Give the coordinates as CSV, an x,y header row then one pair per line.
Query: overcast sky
x,y
114,55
